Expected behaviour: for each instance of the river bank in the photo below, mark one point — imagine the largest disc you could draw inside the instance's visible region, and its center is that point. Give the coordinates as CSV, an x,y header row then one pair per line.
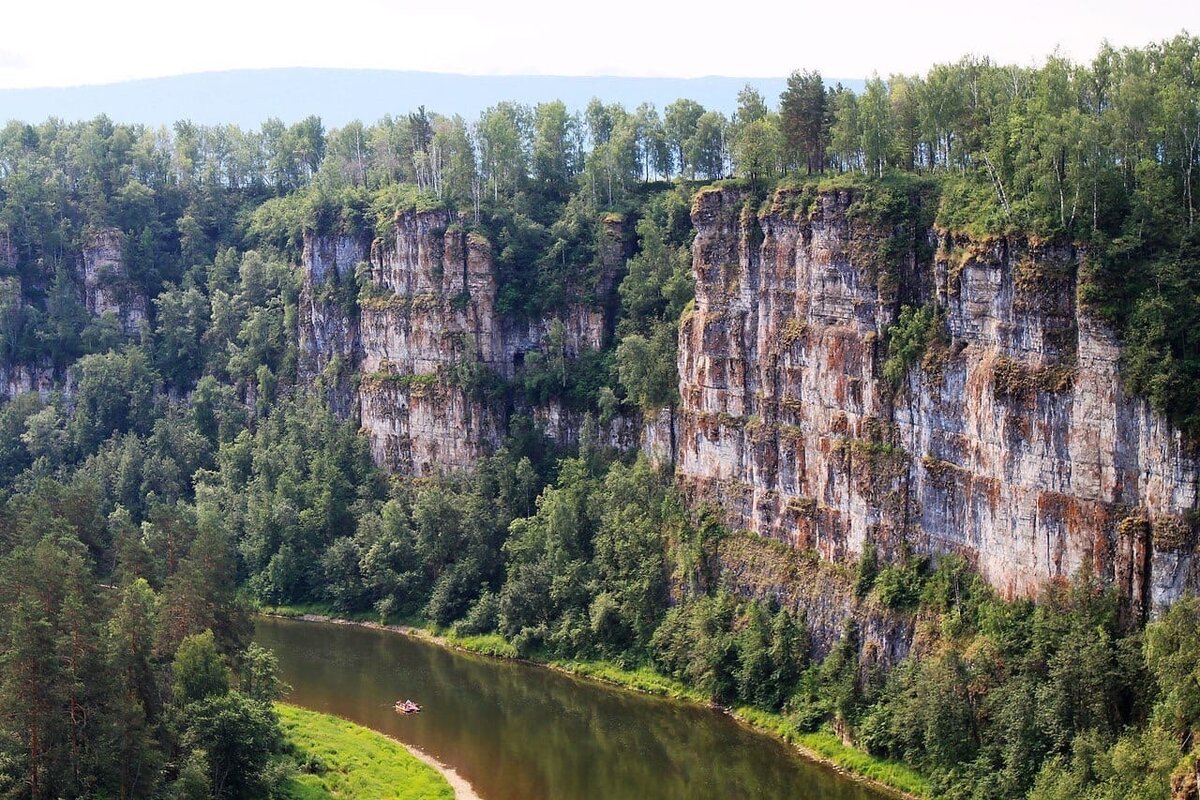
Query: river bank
x,y
356,763
822,746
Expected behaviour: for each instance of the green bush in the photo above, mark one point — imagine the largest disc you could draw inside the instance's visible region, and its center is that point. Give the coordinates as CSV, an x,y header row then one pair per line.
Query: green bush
x,y
899,586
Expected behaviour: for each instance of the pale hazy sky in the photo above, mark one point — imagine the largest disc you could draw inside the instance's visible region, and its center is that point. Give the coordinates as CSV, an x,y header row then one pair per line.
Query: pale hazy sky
x,y
69,42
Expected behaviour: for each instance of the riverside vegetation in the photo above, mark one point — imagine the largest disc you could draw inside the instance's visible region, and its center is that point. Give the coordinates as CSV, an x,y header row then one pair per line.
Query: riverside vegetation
x,y
341,759
175,469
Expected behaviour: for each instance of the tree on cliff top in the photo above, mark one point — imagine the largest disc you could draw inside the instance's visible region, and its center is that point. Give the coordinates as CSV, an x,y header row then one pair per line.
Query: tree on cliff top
x,y
804,114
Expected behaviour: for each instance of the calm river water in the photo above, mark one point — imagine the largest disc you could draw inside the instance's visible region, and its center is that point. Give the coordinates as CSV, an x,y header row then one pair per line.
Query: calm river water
x,y
519,732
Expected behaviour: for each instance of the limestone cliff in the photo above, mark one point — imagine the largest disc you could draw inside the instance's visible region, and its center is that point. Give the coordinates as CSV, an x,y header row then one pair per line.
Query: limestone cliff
x,y
415,356
328,326
1011,442
105,285
105,289
23,378
429,312
1008,440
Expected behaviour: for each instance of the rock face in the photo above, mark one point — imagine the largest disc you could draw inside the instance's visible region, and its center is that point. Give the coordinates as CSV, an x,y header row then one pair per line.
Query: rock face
x,y
105,285
415,357
427,329
1007,438
22,378
753,567
626,433
328,325
1011,440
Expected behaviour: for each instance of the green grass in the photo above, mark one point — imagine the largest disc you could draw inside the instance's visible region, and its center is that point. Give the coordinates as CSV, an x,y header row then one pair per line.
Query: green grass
x,y
890,773
488,644
358,763
300,609
642,679
826,745
306,787
770,722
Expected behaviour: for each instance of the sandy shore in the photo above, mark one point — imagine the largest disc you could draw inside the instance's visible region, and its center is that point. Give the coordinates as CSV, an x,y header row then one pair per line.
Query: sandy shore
x,y
462,789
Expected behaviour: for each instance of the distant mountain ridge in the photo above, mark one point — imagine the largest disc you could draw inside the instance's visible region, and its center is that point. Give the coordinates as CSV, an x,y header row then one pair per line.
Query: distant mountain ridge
x,y
248,97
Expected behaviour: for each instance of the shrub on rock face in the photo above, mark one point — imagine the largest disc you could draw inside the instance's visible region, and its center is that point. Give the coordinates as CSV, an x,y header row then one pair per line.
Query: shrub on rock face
x,y
899,586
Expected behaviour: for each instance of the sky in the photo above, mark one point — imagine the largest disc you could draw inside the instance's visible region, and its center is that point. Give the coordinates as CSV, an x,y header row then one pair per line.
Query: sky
x,y
70,42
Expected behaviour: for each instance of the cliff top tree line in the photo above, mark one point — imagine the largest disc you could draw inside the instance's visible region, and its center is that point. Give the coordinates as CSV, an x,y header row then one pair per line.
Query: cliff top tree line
x,y
1104,153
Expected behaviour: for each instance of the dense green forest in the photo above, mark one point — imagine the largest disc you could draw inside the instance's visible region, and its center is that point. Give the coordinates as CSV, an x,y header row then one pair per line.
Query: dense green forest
x,y
176,475
124,689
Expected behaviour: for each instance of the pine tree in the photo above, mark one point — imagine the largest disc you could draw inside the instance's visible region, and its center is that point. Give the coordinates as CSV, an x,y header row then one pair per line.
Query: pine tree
x,y
805,121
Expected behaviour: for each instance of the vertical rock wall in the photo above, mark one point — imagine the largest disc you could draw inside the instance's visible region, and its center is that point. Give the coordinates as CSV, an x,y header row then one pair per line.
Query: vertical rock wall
x,y
414,355
328,323
1008,440
105,285
1012,442
428,329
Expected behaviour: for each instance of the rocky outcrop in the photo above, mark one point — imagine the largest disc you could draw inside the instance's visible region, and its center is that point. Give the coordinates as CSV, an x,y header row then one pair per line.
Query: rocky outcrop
x,y
1010,440
106,286
419,427
1007,439
753,567
429,335
328,321
22,378
657,438
417,350
433,304
624,432
430,303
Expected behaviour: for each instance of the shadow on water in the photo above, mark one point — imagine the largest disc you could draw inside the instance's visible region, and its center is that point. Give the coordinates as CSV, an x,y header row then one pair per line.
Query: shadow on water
x,y
519,732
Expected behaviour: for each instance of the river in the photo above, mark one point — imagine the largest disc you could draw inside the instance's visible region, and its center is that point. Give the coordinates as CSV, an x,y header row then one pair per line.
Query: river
x,y
521,732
